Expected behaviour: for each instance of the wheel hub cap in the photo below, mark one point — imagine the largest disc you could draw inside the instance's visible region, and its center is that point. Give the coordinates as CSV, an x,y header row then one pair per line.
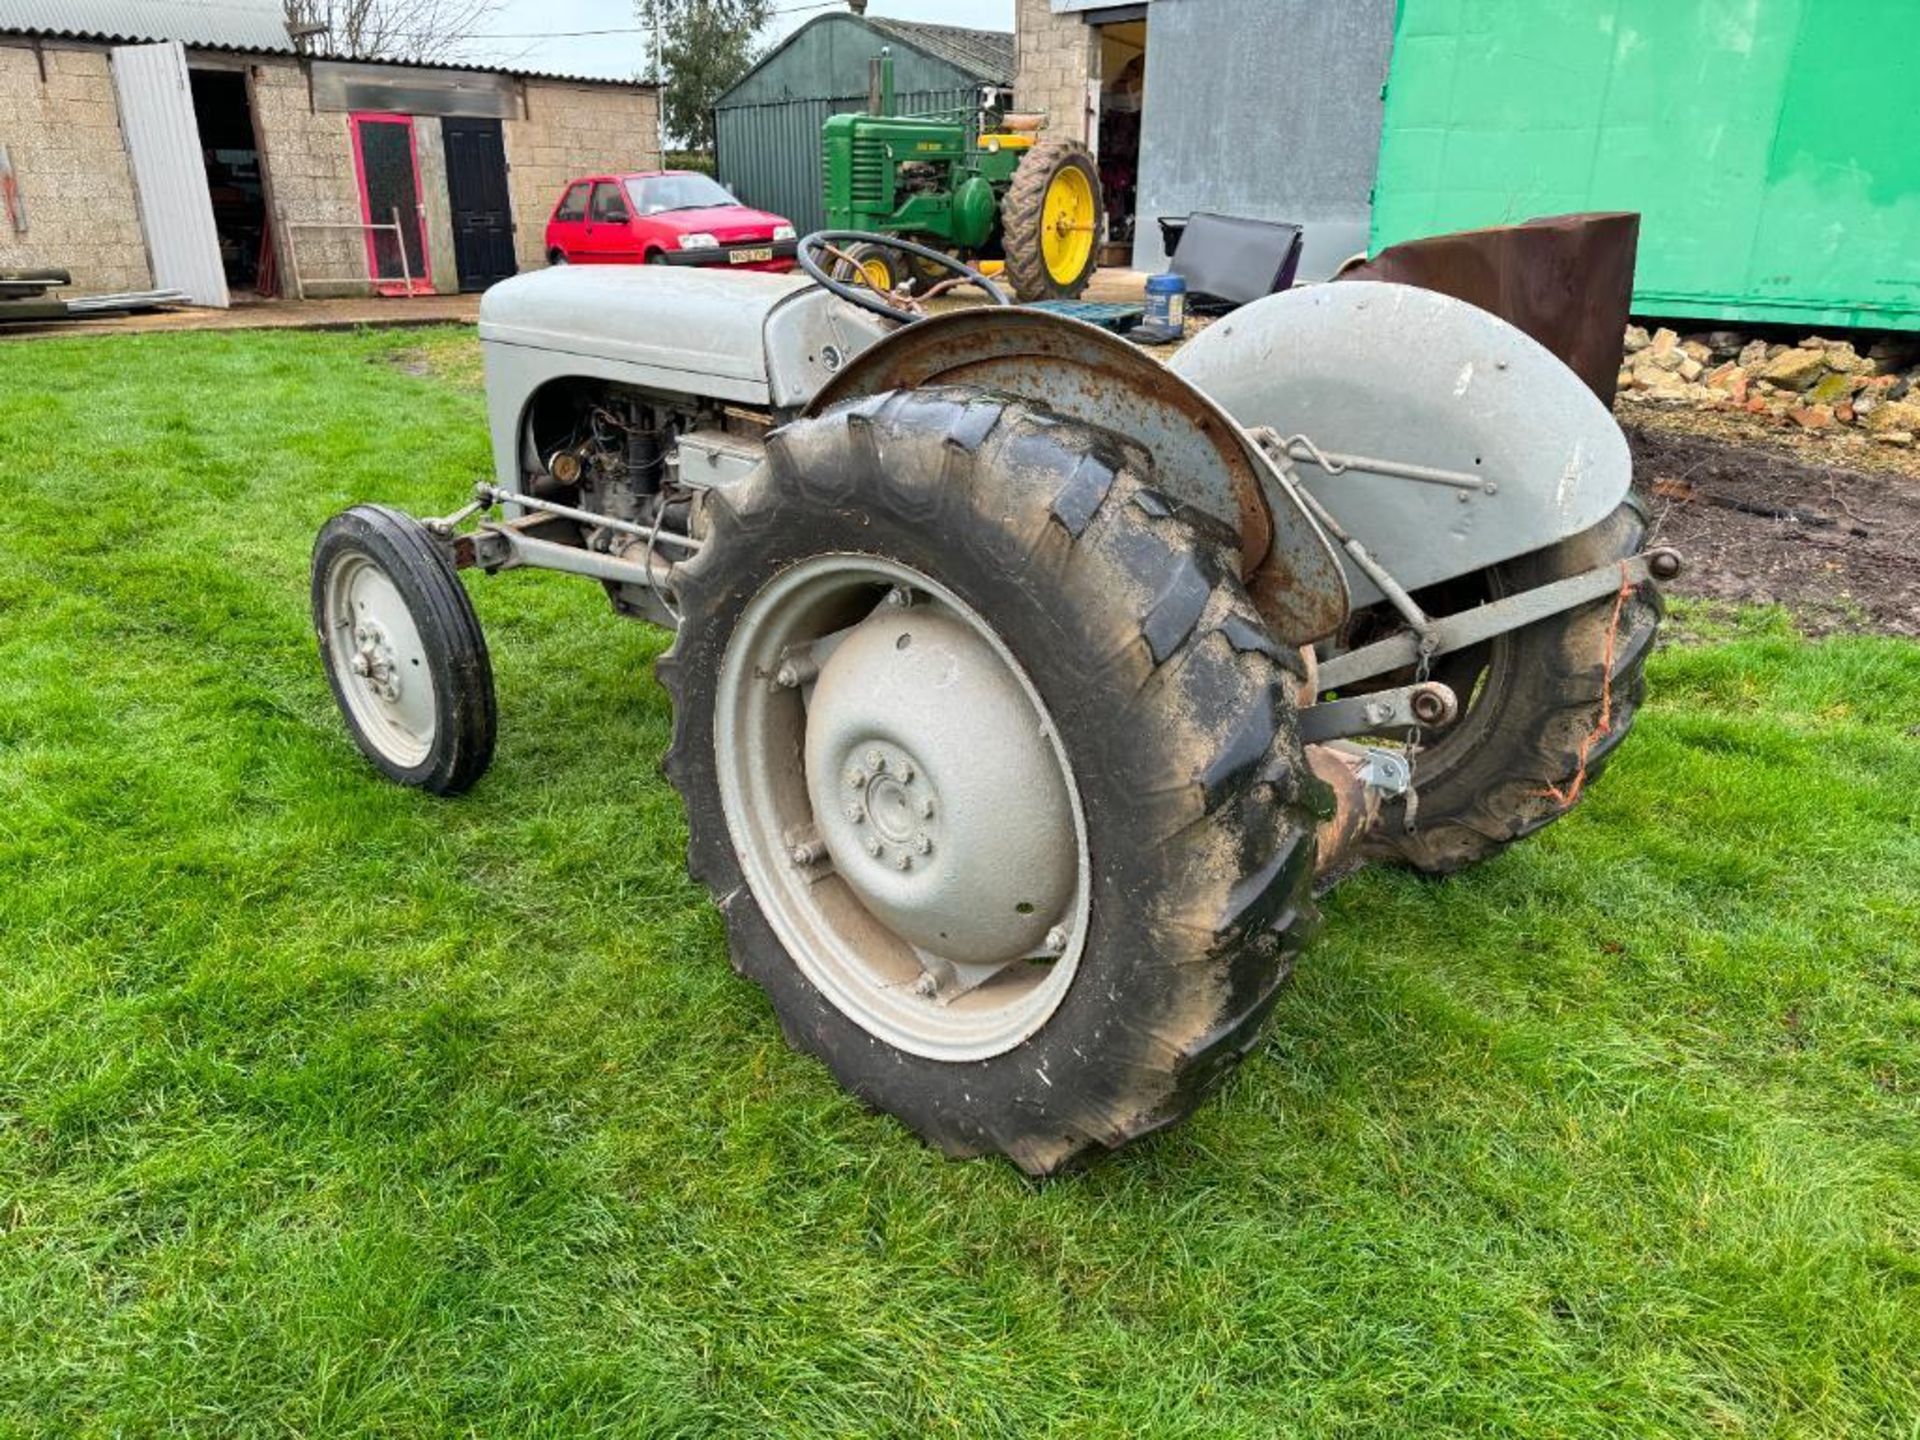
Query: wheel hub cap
x,y
377,653
890,792
903,810
936,791
373,661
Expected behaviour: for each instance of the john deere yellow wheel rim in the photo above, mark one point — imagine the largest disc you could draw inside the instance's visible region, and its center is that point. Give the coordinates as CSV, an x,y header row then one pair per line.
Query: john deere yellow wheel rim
x,y
1066,224
878,275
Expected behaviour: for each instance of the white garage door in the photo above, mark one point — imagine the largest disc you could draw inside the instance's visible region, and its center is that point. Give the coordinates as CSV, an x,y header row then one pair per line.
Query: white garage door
x,y
163,142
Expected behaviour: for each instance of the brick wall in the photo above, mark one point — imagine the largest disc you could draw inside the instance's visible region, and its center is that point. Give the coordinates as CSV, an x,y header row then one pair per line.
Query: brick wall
x,y
71,165
1054,55
571,130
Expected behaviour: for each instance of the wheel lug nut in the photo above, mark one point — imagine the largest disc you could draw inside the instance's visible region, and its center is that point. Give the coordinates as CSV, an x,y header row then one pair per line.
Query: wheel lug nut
x,y
903,861
1057,939
854,812
925,987
876,762
923,844
856,777
795,672
905,772
873,846
926,808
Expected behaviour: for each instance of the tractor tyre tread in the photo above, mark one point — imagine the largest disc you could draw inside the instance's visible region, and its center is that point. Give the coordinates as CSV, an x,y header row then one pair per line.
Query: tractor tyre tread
x,y
1130,620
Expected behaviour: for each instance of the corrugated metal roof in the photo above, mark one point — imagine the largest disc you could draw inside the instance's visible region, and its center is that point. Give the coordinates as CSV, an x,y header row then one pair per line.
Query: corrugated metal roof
x,y
985,53
253,27
225,24
516,72
987,56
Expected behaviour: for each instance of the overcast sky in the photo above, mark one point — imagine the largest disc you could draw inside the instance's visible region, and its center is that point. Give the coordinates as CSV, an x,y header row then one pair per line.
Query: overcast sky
x,y
534,31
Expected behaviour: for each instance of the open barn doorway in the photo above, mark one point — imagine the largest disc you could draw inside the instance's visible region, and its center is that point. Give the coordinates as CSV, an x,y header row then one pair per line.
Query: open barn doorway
x,y
1121,54
230,150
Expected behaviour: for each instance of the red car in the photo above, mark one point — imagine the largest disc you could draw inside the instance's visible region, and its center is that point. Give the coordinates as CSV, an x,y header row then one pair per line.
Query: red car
x,y
664,217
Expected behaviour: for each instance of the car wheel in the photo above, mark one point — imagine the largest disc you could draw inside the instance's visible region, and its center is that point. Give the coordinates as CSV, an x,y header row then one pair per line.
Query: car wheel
x,y
557,257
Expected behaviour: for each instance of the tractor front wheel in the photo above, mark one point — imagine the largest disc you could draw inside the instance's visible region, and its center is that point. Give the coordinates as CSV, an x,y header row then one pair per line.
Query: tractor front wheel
x,y
992,768
403,650
1050,222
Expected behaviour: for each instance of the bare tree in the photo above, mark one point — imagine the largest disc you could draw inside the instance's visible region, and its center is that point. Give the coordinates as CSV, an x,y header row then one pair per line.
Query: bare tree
x,y
428,30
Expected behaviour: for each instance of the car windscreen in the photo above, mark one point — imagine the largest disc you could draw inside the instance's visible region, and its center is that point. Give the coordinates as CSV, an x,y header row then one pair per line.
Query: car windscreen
x,y
656,193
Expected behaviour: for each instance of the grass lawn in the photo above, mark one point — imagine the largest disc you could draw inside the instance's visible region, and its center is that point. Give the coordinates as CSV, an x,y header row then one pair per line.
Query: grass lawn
x,y
327,1108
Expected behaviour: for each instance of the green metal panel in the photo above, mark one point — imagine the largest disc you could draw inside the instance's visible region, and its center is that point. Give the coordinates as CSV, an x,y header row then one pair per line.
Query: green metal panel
x,y
769,155
1766,143
828,56
767,127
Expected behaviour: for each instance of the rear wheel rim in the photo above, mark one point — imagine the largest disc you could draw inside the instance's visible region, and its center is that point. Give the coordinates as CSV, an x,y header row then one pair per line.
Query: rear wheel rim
x,y
379,660
1066,224
840,911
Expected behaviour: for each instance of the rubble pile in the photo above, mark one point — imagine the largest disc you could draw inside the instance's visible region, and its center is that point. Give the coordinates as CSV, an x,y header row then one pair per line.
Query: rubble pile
x,y
1818,384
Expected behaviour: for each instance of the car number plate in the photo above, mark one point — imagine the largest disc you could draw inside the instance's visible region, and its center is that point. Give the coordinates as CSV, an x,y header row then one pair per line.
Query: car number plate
x,y
747,257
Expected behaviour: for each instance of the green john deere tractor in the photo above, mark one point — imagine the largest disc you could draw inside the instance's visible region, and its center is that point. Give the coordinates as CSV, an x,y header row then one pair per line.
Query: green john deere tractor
x,y
1032,201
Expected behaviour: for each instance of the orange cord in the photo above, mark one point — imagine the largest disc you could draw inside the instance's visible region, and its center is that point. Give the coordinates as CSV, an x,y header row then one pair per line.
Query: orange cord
x,y
1564,798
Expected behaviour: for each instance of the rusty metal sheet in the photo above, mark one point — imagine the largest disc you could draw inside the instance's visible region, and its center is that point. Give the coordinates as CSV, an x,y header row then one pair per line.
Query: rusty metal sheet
x,y
1201,456
1566,280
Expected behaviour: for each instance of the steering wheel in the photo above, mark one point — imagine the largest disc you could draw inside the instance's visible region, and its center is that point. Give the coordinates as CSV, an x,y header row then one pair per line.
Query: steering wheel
x,y
858,292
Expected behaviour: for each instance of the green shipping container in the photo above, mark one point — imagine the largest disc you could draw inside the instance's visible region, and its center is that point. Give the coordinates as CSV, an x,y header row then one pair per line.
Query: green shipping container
x,y
1772,147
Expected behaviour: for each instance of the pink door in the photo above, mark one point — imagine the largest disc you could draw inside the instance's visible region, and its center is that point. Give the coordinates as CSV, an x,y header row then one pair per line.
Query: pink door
x,y
388,169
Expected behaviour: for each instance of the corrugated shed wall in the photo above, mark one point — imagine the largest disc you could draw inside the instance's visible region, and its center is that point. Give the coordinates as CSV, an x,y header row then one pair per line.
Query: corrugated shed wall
x,y
767,128
1768,146
1264,108
769,155
828,56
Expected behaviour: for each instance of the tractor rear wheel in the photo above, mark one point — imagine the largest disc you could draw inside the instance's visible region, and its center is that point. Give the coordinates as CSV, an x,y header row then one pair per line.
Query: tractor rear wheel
x,y
1050,221
992,769
1541,709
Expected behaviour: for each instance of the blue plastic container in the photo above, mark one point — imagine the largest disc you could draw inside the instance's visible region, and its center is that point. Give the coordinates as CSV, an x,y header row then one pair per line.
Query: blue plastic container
x,y
1166,301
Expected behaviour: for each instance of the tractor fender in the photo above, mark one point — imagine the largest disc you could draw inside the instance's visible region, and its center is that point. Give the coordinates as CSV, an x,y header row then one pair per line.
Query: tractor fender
x,y
1413,377
1201,457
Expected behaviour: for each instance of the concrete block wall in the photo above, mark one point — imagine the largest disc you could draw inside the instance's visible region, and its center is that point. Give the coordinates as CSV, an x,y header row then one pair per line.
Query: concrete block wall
x,y
567,131
1054,56
83,214
308,164
63,133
